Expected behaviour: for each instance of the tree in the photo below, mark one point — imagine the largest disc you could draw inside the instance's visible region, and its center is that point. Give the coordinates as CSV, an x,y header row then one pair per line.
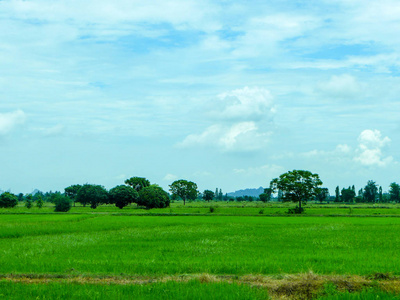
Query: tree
x,y
8,199
92,194
63,203
28,203
380,195
337,194
186,190
348,195
394,192
72,191
39,202
208,195
122,195
297,186
266,196
323,195
153,196
370,191
137,183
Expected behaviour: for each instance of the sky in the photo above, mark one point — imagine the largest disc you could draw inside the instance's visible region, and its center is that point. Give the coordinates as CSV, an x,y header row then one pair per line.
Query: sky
x,y
227,94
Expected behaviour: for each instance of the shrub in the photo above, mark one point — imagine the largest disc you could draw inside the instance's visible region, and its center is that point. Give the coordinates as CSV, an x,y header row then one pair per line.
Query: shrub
x,y
153,196
123,195
212,209
8,200
63,204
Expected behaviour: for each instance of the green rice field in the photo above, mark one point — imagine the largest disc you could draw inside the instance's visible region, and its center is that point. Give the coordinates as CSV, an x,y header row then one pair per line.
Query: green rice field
x,y
50,248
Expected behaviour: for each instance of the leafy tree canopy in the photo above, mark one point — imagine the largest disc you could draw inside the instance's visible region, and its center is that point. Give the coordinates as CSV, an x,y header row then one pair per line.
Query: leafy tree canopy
x,y
370,191
8,200
297,186
153,196
92,194
72,191
186,190
208,195
394,192
123,195
137,183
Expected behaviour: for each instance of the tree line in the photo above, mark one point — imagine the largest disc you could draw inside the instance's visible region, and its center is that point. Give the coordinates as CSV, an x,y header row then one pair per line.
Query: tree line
x,y
297,186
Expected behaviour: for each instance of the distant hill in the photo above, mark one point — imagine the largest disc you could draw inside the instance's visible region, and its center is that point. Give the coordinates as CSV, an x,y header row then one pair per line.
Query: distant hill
x,y
247,192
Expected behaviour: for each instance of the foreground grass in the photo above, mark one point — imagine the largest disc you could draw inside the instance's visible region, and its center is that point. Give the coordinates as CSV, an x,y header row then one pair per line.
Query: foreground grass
x,y
115,245
168,290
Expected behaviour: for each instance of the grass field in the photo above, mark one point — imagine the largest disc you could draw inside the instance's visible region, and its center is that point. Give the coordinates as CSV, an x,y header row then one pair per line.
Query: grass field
x,y
112,244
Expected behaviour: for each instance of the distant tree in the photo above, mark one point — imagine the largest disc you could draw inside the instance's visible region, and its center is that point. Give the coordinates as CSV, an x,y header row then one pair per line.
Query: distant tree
x,y
123,195
208,195
153,196
266,196
220,195
370,191
72,191
394,192
297,186
20,197
39,202
323,195
337,194
380,195
186,190
348,195
8,199
216,194
28,203
62,203
137,183
92,194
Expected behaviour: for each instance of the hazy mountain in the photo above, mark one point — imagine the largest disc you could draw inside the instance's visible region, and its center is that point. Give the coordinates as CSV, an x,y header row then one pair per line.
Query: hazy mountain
x,y
247,192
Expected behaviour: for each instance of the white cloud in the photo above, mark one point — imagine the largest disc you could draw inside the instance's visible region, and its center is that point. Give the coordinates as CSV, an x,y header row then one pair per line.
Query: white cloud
x,y
8,121
369,151
243,115
246,104
265,170
170,177
343,86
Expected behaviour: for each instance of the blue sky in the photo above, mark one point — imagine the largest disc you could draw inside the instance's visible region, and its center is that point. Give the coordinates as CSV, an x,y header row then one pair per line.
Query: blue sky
x,y
228,94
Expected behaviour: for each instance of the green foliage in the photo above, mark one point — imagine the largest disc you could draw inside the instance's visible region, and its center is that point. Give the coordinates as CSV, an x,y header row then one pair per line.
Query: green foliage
x,y
208,195
266,196
92,194
62,203
297,186
8,199
137,183
72,191
153,196
323,195
186,190
28,203
394,192
348,195
370,192
39,202
123,195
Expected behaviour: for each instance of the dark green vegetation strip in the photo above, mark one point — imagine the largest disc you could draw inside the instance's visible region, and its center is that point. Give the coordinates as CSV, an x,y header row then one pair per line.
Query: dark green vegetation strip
x,y
104,244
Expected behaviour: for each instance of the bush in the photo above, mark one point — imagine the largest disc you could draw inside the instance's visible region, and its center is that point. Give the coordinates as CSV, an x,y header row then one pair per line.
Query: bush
x,y
63,204
123,195
8,200
296,210
153,196
212,209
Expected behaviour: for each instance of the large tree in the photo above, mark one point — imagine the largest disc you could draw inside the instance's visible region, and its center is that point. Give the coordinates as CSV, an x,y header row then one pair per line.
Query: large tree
x,y
370,191
8,200
72,191
137,183
323,195
394,192
186,190
208,195
348,195
153,196
92,194
297,186
266,196
123,195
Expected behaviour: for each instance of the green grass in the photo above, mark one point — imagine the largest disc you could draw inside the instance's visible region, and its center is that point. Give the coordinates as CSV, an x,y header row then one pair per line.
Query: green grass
x,y
168,290
365,295
146,245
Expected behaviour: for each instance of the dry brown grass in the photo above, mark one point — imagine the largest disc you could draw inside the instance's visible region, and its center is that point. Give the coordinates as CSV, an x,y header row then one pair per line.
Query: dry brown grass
x,y
290,286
